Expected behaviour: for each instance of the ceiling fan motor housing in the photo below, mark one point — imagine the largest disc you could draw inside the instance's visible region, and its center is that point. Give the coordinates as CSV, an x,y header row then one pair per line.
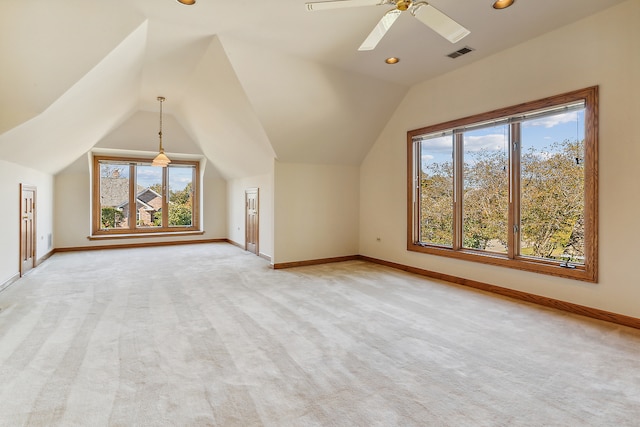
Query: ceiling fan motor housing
x,y
403,4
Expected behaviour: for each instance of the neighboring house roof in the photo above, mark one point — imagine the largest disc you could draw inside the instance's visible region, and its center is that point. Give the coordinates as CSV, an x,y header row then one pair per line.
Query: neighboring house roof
x,y
138,202
146,195
143,198
114,191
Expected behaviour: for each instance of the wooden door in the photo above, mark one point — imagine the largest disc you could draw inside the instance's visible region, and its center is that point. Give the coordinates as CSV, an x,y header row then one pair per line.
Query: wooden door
x,y
251,220
27,228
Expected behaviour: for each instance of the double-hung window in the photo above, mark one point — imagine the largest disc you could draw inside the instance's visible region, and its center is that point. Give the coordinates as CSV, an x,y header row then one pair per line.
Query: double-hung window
x,y
515,187
130,196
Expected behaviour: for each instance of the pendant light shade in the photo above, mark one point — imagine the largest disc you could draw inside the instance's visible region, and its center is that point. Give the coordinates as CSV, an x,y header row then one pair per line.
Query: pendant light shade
x,y
161,159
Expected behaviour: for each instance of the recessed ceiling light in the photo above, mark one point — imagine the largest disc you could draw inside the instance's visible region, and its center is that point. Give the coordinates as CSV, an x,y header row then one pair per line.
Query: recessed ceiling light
x,y
502,4
392,60
187,2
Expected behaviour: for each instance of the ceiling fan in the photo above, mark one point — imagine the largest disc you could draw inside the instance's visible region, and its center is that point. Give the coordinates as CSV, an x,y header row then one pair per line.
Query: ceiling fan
x,y
427,14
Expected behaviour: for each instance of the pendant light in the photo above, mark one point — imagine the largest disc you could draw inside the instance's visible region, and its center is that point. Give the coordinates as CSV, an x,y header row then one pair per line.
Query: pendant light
x,y
161,159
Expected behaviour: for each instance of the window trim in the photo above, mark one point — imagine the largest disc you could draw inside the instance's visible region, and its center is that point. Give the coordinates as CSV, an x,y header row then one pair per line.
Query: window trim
x,y
98,232
587,272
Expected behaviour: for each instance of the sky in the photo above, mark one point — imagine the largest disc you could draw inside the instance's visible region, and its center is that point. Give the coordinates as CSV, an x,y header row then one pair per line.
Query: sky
x,y
147,176
539,133
179,177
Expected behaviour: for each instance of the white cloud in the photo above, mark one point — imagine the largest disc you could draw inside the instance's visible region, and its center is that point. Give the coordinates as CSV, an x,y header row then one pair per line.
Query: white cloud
x,y
491,142
551,121
443,144
149,171
179,183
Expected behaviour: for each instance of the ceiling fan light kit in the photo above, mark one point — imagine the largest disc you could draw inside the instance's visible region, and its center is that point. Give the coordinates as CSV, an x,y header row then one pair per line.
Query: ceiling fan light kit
x,y
423,11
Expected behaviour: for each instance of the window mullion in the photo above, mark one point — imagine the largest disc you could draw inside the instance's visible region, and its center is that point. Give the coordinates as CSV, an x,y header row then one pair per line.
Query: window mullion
x,y
133,205
458,163
514,191
97,197
416,196
165,197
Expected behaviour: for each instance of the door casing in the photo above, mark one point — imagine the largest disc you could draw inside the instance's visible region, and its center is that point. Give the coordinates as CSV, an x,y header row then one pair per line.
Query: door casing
x,y
28,239
252,220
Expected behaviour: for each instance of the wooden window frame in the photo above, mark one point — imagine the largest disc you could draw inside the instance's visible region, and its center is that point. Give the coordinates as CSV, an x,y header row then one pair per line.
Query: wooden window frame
x,y
134,231
586,272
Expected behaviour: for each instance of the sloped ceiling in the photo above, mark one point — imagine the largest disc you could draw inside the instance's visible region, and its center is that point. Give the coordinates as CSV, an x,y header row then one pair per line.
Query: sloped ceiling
x,y
246,82
142,127
81,116
46,47
219,115
313,112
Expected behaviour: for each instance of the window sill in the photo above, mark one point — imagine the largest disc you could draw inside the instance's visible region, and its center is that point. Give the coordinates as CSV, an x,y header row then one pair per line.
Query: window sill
x,y
577,272
144,235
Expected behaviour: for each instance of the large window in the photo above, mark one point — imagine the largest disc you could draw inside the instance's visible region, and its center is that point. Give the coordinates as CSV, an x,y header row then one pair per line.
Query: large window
x,y
515,187
131,196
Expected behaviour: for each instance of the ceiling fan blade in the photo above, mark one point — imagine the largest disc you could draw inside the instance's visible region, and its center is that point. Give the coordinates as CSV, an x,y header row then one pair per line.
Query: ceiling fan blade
x,y
324,5
439,22
380,30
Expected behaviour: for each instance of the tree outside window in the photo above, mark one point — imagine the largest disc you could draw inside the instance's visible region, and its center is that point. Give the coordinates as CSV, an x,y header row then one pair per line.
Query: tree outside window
x,y
514,187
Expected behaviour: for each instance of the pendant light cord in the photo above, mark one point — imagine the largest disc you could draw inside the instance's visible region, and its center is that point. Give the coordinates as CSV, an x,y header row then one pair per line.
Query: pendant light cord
x,y
160,98
161,159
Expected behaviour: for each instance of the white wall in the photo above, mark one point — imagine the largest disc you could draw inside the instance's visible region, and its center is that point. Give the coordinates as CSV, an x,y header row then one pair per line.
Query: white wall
x,y
603,50
72,210
236,211
214,207
316,211
11,176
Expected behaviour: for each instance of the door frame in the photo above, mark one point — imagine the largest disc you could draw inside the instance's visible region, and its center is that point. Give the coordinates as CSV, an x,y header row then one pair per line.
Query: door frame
x,y
34,189
247,193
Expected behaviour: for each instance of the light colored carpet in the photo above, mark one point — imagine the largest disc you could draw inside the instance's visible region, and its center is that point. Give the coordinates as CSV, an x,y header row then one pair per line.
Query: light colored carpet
x,y
208,334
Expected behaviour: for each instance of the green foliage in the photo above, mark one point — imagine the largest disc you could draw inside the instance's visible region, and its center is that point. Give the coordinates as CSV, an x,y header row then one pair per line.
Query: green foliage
x,y
181,207
157,219
486,199
551,205
182,197
552,217
436,222
111,217
179,215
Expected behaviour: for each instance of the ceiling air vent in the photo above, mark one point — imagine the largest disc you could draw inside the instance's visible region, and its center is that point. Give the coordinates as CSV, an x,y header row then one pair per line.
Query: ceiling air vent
x,y
461,52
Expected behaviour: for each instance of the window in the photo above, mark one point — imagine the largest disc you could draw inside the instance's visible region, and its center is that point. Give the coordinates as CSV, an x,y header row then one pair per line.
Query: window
x,y
515,187
131,196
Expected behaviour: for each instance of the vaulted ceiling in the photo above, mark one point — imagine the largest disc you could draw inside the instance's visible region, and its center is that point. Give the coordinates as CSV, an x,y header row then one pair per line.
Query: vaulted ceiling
x,y
245,81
